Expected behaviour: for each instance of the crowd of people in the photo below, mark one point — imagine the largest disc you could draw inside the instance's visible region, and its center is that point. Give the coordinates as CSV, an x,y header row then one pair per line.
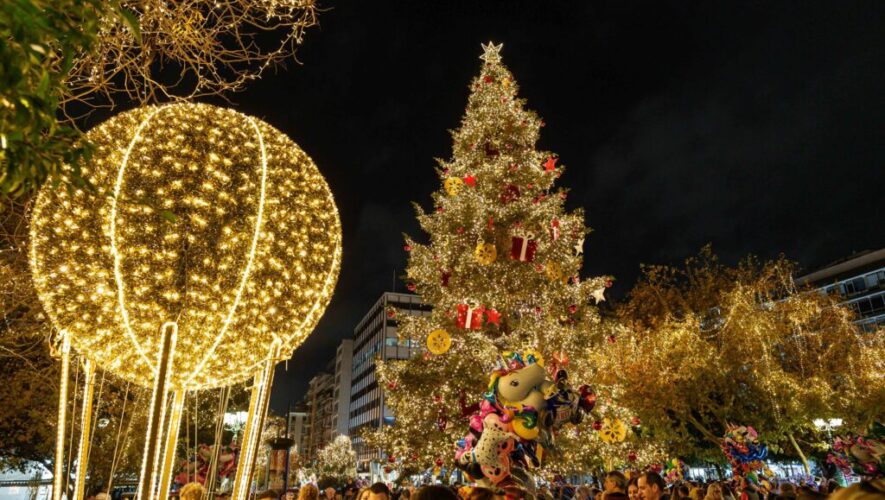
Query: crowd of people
x,y
615,486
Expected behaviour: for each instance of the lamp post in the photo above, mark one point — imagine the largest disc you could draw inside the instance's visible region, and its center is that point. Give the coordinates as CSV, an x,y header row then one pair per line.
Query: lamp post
x,y
828,425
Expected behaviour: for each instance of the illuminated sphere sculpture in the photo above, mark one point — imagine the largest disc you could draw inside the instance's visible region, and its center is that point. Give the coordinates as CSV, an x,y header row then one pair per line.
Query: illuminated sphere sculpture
x,y
201,216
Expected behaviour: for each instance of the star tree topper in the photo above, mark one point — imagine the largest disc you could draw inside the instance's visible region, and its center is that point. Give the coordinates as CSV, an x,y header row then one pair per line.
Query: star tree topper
x,y
492,54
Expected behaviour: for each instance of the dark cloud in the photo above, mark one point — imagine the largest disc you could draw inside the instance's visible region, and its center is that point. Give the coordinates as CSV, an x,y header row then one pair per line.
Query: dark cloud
x,y
757,126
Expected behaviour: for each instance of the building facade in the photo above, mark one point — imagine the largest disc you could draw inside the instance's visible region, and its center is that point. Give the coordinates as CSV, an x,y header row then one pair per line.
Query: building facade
x,y
859,281
297,426
341,393
375,337
321,404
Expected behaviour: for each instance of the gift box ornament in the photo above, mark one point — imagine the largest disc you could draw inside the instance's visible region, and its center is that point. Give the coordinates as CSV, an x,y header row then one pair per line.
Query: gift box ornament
x,y
523,247
470,315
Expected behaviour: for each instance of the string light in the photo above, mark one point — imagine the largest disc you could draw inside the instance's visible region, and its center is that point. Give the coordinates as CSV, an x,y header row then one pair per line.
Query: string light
x,y
58,475
85,421
202,216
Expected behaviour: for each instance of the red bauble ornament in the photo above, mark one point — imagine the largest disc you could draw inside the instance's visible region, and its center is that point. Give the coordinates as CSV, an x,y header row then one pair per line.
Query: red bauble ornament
x,y
440,210
445,278
631,456
597,425
407,248
391,459
387,469
563,195
411,287
392,385
572,309
609,283
611,339
470,180
460,230
488,79
439,462
635,421
391,312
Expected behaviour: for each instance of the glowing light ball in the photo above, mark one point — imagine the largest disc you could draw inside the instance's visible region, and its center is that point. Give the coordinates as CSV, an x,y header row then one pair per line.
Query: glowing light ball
x,y
202,216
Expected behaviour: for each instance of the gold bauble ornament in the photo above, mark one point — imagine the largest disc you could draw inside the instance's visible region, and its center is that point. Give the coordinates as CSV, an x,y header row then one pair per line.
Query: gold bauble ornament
x,y
438,342
553,270
453,185
485,253
201,216
612,431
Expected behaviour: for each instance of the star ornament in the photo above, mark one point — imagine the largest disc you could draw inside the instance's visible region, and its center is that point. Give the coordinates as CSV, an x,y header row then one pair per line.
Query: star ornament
x,y
599,295
492,52
493,316
550,164
579,247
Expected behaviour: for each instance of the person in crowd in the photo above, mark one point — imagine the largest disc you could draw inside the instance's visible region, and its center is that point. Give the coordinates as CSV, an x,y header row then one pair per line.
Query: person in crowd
x,y
290,494
362,493
435,492
806,492
309,492
485,494
191,491
714,492
223,495
583,493
864,490
329,493
615,486
378,491
696,493
651,486
786,491
746,489
633,488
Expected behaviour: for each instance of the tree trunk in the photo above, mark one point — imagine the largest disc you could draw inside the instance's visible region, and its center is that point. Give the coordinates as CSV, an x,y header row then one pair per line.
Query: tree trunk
x,y
801,455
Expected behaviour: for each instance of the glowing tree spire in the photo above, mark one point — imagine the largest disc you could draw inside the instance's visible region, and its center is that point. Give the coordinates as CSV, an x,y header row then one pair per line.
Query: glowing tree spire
x,y
501,270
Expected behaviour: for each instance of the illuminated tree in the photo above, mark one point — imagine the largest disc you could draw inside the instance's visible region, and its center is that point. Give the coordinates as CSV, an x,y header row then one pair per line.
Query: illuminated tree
x,y
708,345
501,270
337,461
66,57
159,50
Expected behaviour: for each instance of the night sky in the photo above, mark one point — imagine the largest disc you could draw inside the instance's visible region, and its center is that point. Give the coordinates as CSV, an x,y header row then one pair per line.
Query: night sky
x,y
757,126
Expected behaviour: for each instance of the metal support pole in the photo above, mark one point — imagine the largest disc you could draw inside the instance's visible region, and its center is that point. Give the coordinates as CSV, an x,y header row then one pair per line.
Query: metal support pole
x,y
59,465
85,428
216,448
254,424
171,440
148,478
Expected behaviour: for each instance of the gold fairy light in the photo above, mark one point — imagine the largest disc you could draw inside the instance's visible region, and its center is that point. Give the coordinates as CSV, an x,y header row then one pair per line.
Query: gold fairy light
x,y
200,216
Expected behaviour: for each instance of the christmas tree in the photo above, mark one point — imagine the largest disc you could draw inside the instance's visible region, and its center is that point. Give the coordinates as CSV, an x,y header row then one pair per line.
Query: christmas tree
x,y
501,270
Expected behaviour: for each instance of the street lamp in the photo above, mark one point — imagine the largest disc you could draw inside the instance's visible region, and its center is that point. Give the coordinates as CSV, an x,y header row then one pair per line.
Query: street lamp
x,y
828,425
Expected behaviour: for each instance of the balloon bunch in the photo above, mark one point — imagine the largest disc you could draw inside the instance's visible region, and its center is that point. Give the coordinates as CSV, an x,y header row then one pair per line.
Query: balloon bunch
x,y
524,406
198,469
743,450
861,455
674,470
